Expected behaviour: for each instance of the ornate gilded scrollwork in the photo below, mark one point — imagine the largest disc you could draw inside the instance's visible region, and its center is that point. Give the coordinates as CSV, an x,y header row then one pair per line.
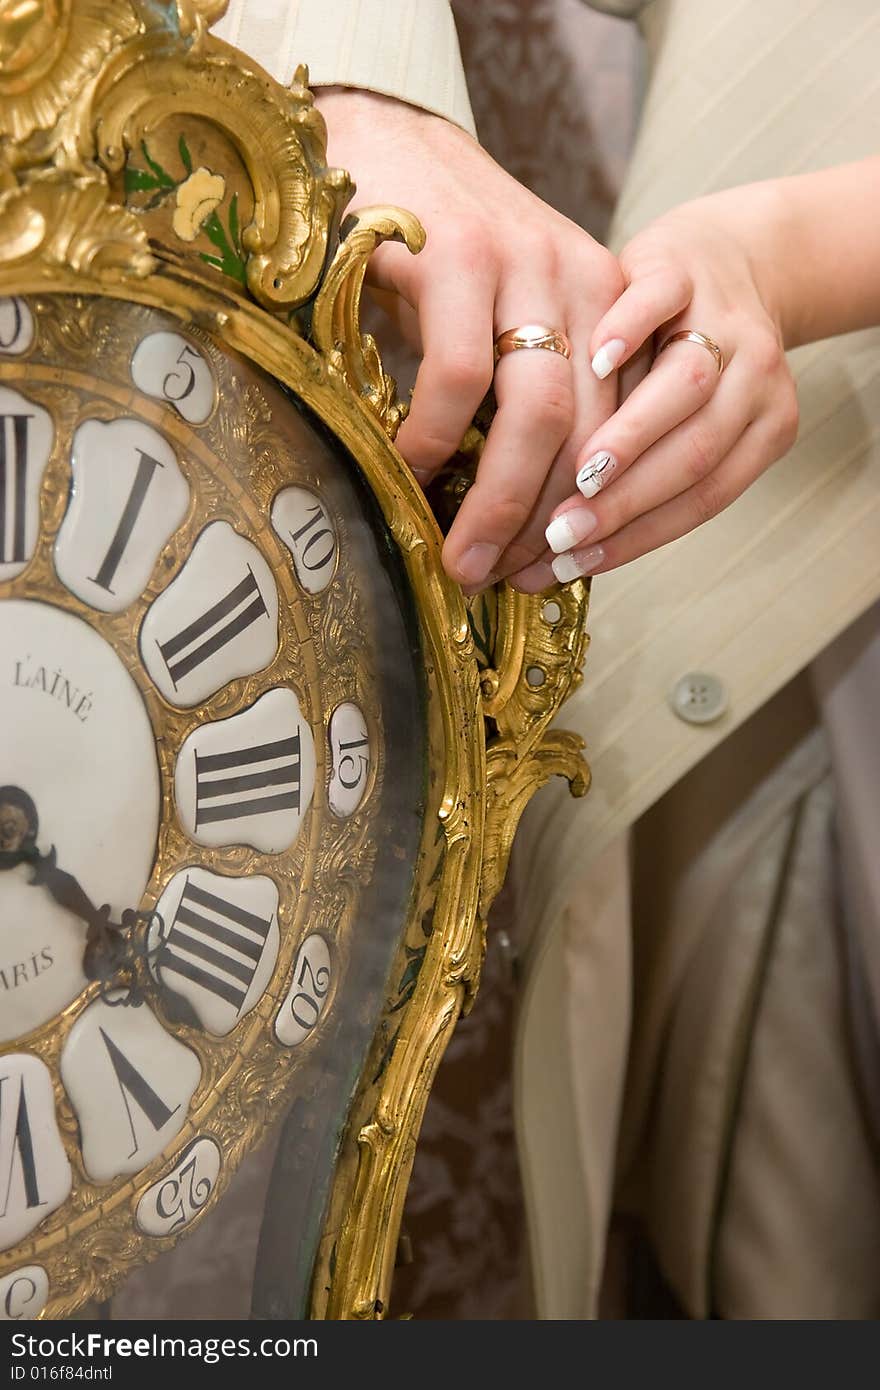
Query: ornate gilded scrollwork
x,y
280,138
335,328
73,223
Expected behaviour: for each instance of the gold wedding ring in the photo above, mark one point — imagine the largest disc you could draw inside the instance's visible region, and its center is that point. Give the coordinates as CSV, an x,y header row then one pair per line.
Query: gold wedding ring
x,y
689,335
532,335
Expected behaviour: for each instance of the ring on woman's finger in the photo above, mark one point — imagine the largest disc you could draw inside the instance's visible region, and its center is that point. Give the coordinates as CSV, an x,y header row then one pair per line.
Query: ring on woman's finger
x,y
532,335
690,335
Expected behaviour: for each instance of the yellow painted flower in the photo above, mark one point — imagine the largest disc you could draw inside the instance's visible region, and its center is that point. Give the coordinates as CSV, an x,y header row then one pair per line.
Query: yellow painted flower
x,y
197,197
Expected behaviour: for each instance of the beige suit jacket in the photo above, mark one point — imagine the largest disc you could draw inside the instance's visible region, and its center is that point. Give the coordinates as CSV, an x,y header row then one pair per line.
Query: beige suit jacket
x,y
736,91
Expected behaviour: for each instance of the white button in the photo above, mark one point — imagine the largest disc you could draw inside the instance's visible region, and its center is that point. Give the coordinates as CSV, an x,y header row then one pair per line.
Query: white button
x,y
698,698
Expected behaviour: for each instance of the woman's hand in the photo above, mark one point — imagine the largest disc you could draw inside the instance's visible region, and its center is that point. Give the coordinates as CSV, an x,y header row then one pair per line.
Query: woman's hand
x,y
496,257
687,440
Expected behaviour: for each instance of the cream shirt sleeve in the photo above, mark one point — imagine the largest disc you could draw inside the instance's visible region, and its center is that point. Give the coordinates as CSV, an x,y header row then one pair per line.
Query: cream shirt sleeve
x,y
403,48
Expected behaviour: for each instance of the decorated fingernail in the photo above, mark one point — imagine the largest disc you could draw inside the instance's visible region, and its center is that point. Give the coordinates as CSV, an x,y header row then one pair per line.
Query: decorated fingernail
x,y
595,473
608,357
476,563
570,529
569,567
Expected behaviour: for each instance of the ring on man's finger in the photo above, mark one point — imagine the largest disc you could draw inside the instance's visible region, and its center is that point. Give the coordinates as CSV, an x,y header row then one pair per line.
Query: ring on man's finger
x,y
690,335
532,335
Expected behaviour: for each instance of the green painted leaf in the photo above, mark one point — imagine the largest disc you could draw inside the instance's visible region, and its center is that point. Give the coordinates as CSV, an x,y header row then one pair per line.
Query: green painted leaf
x,y
138,181
404,998
161,174
213,229
185,157
411,973
233,223
230,263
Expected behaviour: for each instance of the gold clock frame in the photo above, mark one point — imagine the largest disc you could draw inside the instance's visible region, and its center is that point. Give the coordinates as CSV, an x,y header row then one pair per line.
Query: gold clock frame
x,y
82,83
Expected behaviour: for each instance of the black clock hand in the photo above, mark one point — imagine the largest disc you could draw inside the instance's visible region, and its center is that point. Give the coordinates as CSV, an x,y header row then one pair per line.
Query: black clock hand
x,y
105,947
111,947
19,824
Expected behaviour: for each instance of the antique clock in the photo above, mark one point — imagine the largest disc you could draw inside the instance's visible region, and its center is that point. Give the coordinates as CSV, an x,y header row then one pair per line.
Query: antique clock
x,y
260,765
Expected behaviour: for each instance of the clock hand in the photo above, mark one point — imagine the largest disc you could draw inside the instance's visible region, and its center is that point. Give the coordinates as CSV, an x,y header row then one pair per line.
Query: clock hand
x,y
19,822
105,943
111,947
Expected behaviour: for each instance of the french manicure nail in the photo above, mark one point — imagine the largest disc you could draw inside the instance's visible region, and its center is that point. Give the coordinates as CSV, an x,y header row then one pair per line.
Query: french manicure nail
x,y
569,567
570,529
595,473
608,357
476,563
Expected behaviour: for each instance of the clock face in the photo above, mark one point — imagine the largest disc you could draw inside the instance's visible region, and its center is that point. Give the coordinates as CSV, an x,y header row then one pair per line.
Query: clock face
x,y
212,770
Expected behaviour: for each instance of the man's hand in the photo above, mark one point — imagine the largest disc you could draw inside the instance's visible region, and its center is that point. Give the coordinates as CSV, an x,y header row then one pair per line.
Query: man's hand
x,y
496,257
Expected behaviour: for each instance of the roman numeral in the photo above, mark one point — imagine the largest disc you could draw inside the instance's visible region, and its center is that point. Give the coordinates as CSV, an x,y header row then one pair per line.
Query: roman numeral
x,y
222,622
130,512
132,1083
13,478
202,923
221,798
19,1145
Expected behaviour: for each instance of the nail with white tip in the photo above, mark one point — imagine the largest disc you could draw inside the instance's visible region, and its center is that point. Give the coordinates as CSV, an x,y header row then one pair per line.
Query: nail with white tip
x,y
608,357
569,567
570,529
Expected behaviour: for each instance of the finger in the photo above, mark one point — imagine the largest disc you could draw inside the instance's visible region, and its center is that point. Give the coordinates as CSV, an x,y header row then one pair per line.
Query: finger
x,y
401,314
650,299
588,290
535,398
634,370
593,403
535,578
455,326
686,456
684,378
675,518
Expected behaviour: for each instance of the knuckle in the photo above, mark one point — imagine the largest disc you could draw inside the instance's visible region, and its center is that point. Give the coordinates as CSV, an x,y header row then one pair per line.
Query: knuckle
x,y
677,280
767,353
787,418
700,455
701,376
505,515
554,406
468,241
607,277
430,447
464,370
708,500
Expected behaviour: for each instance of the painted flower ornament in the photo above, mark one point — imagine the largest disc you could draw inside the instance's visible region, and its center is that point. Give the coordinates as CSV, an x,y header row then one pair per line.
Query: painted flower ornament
x,y
197,197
